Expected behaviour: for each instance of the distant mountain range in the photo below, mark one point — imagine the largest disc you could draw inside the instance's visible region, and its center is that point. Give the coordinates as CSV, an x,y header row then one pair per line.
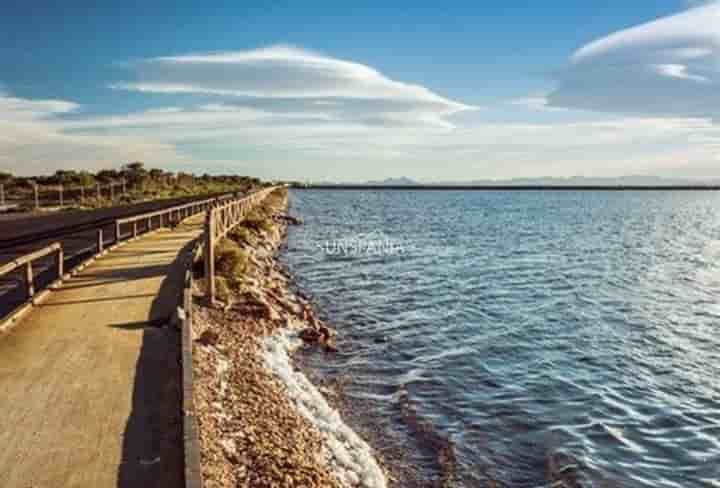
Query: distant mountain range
x,y
634,180
402,181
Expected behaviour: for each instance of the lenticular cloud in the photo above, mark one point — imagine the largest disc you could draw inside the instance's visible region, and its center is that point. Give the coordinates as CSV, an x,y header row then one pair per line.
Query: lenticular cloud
x,y
668,67
300,78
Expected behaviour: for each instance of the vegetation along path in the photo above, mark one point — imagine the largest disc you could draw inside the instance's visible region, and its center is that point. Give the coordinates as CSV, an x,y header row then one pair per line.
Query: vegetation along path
x,y
90,380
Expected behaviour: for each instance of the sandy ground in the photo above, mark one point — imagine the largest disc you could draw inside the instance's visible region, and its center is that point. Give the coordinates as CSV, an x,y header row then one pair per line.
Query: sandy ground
x,y
89,381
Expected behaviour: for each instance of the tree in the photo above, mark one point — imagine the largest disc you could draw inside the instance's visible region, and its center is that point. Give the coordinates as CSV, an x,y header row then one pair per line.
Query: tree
x,y
107,175
136,167
85,178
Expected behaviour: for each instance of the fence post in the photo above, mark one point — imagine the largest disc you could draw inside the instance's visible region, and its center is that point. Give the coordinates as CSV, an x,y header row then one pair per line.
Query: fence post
x,y
112,191
117,232
29,281
2,194
210,256
60,193
37,196
99,191
82,195
60,263
100,241
135,229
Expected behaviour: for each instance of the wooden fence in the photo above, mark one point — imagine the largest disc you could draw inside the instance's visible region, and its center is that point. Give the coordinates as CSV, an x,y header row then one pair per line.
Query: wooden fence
x,y
162,218
221,219
26,261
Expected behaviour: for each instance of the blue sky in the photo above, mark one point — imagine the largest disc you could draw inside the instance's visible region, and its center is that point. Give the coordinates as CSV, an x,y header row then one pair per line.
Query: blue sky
x,y
324,91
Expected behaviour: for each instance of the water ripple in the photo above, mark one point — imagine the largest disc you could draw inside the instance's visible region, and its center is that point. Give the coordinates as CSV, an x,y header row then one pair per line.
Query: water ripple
x,y
527,339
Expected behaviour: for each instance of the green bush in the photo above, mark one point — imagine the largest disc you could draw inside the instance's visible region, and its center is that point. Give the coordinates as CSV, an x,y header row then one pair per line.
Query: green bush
x,y
222,289
230,260
243,236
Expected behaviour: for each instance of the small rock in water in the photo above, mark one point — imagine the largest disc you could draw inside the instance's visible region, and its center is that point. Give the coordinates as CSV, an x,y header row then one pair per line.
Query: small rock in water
x,y
330,345
326,332
310,335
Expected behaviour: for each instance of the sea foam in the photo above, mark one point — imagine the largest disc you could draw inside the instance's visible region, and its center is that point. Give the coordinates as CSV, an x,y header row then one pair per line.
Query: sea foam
x,y
350,456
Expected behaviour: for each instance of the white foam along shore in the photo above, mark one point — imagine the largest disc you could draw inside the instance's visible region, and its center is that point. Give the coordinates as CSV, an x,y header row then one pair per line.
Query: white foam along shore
x,y
350,457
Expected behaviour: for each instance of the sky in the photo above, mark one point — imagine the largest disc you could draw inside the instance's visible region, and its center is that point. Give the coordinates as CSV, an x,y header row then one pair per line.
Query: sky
x,y
325,91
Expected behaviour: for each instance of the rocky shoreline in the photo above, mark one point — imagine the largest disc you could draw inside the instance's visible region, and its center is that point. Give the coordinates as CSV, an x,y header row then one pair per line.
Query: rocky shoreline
x,y
262,423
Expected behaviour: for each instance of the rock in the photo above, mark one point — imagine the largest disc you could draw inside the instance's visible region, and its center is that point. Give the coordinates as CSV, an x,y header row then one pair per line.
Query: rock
x,y
310,335
309,315
327,332
230,449
330,345
208,338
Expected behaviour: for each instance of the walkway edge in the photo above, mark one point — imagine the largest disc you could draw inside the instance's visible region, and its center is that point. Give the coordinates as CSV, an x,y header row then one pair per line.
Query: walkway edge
x,y
191,433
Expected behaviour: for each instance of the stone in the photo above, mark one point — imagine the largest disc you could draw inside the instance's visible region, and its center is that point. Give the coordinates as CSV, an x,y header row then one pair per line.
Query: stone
x,y
309,335
208,338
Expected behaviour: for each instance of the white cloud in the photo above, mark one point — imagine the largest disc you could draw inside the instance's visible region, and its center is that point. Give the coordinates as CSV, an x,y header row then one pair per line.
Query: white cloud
x,y
668,67
23,109
679,71
300,77
287,112
32,141
278,146
537,103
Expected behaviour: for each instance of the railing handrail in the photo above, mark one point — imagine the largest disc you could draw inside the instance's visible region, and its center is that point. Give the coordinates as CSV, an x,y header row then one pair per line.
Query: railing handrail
x,y
155,213
27,258
248,199
218,223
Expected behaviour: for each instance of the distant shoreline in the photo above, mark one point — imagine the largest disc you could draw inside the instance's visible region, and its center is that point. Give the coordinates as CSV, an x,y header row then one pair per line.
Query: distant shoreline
x,y
514,187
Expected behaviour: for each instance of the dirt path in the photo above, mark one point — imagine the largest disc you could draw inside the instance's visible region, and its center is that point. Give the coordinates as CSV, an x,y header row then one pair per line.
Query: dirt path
x,y
89,381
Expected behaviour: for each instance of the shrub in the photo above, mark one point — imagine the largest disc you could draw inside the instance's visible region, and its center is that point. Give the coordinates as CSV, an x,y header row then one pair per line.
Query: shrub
x,y
222,289
243,236
230,260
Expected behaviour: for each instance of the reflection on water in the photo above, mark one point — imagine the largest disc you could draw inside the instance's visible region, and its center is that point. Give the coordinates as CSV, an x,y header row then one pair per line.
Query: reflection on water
x,y
526,339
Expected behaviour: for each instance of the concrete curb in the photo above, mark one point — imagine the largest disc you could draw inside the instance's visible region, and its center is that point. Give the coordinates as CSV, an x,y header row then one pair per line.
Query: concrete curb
x,y
191,432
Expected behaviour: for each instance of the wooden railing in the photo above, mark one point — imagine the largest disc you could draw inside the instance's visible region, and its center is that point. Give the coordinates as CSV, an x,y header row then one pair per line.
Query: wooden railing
x,y
162,218
27,262
148,221
222,215
221,219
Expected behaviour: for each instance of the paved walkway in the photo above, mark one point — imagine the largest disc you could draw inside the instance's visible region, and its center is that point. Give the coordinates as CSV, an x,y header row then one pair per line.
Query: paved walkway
x,y
90,380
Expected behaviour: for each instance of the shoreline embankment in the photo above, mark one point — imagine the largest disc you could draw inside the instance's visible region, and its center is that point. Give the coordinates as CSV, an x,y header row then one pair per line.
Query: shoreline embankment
x,y
261,421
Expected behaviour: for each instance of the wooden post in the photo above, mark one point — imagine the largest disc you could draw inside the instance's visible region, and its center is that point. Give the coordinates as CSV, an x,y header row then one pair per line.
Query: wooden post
x,y
99,191
100,242
2,194
60,263
82,195
149,224
112,191
135,229
37,196
117,232
210,257
60,193
29,280
124,187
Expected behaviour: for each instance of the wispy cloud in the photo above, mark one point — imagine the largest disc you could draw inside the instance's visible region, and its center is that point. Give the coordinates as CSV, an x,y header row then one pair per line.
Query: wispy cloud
x,y
298,78
667,67
537,103
12,108
33,140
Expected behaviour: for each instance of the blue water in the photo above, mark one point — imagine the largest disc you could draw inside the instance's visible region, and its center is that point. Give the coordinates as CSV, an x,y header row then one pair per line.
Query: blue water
x,y
523,339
